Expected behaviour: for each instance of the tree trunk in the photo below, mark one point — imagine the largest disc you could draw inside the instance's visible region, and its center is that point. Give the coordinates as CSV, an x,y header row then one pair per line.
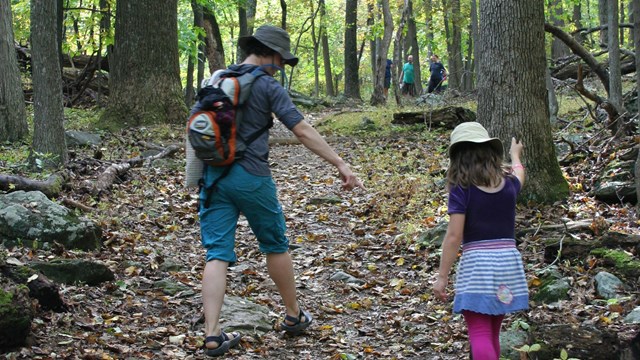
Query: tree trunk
x,y
315,39
381,59
198,20
145,75
372,41
454,44
326,52
615,76
351,81
13,116
512,97
243,29
553,100
577,21
397,55
213,41
558,48
189,90
603,18
283,6
412,32
49,149
474,36
636,45
251,5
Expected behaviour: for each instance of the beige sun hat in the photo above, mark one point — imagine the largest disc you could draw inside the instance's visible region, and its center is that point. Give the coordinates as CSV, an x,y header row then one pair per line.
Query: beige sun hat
x,y
276,39
473,132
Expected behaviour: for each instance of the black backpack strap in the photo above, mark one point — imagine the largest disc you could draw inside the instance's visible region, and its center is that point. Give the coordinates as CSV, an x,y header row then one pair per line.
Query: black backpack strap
x,y
214,186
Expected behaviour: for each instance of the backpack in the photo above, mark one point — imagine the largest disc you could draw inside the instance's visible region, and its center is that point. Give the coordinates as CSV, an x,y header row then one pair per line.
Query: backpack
x,y
213,131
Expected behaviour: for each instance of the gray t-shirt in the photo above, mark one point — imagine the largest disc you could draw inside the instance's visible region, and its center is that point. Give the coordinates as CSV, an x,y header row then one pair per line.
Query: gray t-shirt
x,y
267,97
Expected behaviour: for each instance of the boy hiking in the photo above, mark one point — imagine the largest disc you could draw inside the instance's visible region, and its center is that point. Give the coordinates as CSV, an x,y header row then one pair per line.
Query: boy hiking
x,y
248,188
490,279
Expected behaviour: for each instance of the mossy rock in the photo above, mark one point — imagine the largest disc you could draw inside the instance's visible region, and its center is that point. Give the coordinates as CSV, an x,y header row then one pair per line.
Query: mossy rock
x,y
621,261
15,317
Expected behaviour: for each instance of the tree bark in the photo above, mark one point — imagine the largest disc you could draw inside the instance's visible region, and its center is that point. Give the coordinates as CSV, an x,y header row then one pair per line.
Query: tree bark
x,y
243,29
326,52
558,48
351,80
636,45
513,102
603,19
49,148
577,21
381,60
213,40
145,75
615,76
454,46
397,54
13,115
412,36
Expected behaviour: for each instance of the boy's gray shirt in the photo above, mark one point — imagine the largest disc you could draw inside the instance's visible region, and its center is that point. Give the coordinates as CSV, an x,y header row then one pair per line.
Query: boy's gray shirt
x,y
267,97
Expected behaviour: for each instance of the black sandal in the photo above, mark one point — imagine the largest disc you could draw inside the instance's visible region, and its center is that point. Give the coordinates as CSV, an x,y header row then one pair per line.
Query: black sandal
x,y
224,343
298,325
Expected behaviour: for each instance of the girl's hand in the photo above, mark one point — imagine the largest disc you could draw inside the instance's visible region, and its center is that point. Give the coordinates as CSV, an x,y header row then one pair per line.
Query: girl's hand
x,y
440,288
516,148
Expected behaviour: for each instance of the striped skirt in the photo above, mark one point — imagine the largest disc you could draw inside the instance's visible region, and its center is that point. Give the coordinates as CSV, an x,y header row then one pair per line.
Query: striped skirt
x,y
490,278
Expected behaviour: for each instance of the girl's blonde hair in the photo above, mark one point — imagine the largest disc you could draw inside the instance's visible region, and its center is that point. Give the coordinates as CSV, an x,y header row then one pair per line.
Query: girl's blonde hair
x,y
476,164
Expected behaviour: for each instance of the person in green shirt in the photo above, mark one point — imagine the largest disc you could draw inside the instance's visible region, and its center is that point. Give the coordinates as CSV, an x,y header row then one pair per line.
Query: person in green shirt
x,y
406,77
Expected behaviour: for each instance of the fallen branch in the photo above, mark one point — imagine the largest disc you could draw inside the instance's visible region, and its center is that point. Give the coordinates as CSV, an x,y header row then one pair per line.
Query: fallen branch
x,y
50,187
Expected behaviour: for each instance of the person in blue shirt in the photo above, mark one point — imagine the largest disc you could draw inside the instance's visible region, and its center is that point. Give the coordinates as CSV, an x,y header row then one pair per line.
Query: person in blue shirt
x,y
438,75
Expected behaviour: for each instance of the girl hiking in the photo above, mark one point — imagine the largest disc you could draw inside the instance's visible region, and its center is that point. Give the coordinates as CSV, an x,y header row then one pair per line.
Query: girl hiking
x,y
490,279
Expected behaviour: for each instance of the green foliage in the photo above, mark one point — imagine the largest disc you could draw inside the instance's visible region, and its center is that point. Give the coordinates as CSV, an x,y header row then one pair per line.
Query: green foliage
x,y
528,349
565,356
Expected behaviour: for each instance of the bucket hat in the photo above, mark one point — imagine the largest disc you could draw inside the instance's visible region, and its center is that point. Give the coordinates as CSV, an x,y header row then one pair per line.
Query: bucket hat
x,y
473,132
274,38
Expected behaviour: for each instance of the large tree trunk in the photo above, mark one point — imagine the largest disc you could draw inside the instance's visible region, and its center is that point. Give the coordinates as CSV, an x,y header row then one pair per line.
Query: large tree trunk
x,y
615,76
244,29
577,21
49,148
397,54
454,45
603,19
13,116
145,75
415,48
351,81
326,52
381,59
558,48
475,37
213,40
636,45
512,97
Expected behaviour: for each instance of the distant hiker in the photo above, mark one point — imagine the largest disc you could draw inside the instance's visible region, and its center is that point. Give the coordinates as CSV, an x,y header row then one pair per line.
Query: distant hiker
x,y
406,78
387,78
490,280
438,75
248,188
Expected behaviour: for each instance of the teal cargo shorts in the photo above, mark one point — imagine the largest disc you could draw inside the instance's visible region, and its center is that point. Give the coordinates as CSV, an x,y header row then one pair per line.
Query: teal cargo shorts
x,y
241,192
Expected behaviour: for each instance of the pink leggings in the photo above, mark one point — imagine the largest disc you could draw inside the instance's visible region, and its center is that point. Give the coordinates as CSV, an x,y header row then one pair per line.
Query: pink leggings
x,y
484,334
